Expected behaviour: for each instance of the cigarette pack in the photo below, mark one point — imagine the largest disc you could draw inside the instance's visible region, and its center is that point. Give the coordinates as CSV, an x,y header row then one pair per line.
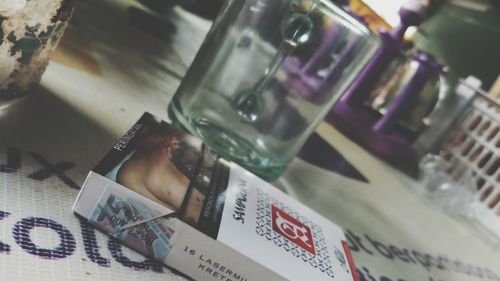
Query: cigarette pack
x,y
165,194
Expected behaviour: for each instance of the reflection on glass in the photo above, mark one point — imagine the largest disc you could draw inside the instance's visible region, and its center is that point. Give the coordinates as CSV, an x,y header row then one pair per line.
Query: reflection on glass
x,y
266,75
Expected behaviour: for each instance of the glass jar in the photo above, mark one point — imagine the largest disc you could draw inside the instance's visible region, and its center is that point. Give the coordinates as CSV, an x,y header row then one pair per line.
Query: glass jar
x,y
266,75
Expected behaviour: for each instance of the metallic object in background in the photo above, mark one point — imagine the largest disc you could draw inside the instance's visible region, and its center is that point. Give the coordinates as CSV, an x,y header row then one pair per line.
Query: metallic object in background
x,y
410,96
393,44
398,112
386,107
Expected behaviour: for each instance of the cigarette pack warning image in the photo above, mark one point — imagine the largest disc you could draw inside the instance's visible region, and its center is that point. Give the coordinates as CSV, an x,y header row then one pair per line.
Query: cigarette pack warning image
x,y
165,194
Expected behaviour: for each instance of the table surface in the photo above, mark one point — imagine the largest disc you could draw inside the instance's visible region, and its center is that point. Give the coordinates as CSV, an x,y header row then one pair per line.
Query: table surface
x,y
113,65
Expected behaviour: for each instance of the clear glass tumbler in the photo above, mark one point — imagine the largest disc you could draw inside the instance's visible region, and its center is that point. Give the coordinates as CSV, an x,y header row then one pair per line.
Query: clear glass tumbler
x,y
266,75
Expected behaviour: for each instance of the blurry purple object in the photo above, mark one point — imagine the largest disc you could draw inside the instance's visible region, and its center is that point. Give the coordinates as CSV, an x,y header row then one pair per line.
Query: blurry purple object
x,y
412,14
316,75
427,69
382,132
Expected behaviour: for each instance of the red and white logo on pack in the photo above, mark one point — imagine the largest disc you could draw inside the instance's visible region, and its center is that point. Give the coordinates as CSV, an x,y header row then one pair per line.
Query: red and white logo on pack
x,y
292,229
